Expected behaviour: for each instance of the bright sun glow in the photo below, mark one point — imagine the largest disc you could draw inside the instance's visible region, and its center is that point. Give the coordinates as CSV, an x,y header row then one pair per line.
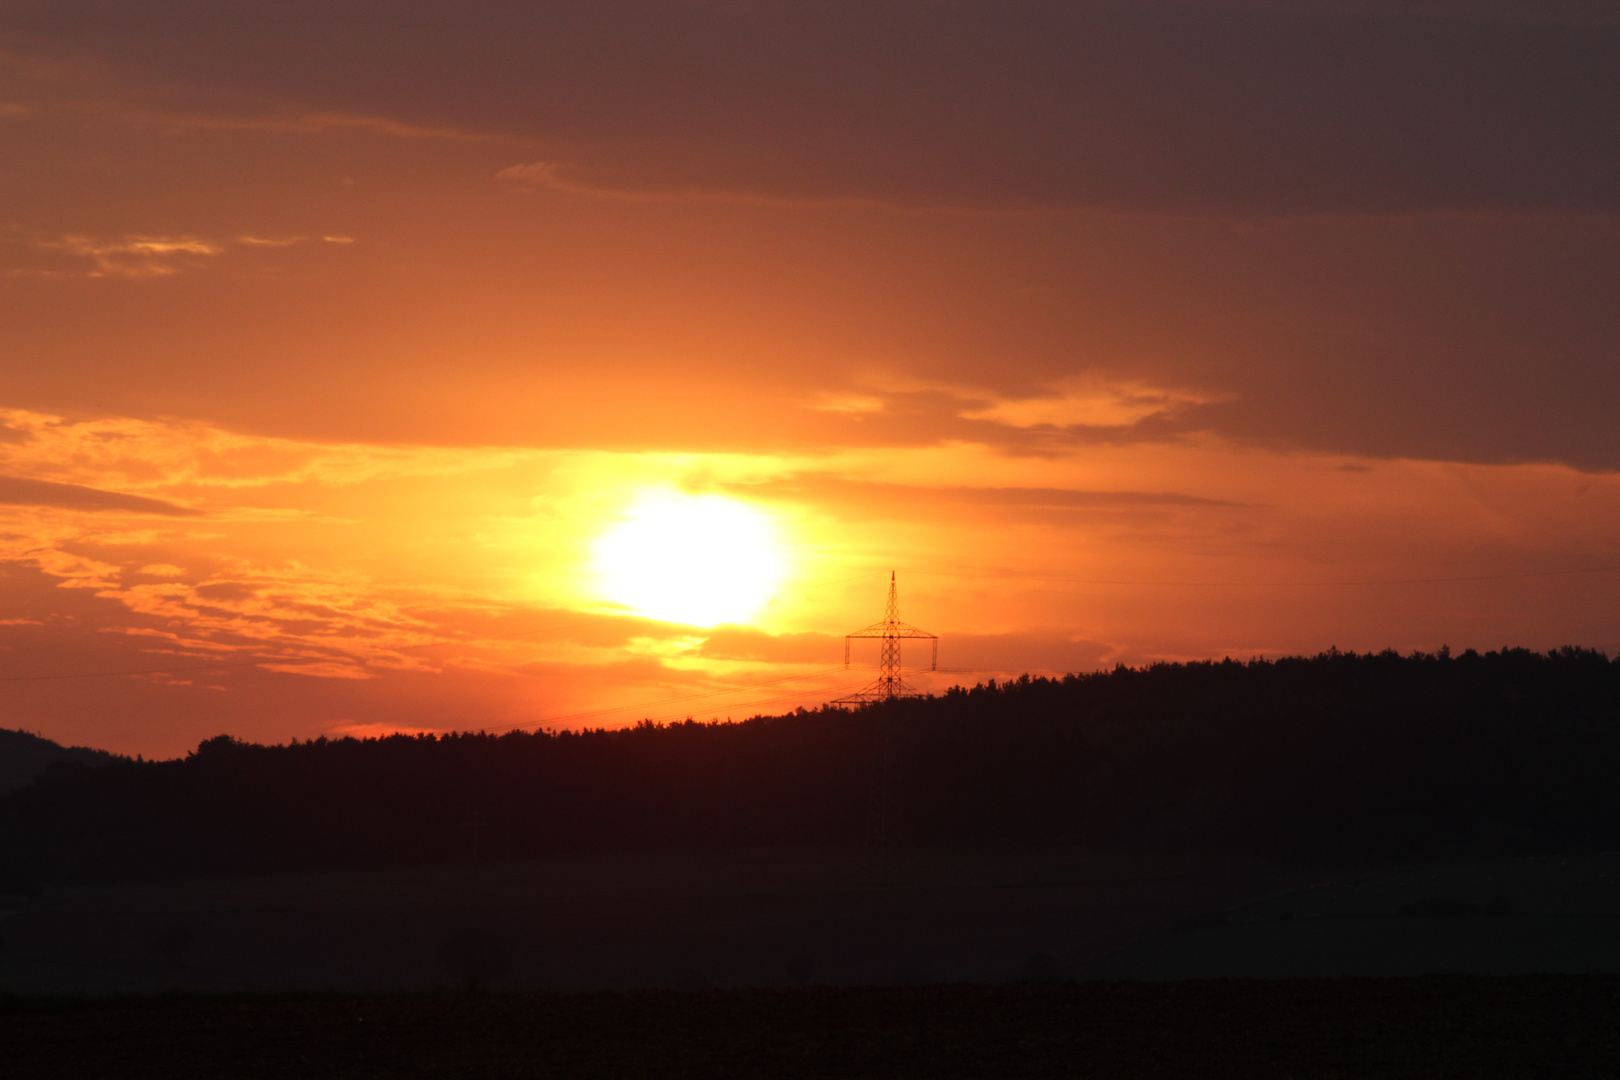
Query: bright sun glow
x,y
694,559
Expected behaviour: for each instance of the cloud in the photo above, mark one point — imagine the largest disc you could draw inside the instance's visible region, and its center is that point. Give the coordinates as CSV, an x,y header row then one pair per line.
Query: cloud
x,y
20,491
272,241
302,123
746,643
321,669
137,256
132,255
575,178
171,454
86,667
1191,108
1052,417
867,500
1091,405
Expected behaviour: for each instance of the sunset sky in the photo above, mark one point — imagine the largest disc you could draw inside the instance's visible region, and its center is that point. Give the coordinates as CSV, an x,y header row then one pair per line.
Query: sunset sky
x,y
426,366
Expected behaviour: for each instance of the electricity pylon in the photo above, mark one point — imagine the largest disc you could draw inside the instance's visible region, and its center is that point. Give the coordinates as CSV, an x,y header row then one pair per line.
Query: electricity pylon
x,y
891,631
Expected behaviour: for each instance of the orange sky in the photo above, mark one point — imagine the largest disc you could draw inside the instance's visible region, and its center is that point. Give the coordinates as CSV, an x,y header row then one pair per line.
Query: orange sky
x,y
334,341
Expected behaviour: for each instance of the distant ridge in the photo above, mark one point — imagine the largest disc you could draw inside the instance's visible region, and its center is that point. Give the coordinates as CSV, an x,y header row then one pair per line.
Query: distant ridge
x,y
24,756
1340,755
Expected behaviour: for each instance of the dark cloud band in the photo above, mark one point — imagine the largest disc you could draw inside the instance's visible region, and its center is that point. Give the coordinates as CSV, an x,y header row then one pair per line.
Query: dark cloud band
x,y
18,491
1189,108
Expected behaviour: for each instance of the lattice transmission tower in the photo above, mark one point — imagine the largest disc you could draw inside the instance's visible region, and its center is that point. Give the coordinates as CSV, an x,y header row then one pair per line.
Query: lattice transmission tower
x,y
891,631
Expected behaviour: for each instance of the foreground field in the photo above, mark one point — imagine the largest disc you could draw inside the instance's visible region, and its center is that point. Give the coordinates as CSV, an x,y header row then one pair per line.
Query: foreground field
x,y
675,920
1434,1027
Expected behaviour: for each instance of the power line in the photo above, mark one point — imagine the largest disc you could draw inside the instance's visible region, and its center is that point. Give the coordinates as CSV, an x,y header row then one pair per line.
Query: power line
x,y
175,670
670,700
617,615
1020,670
351,658
171,670
688,697
970,575
507,637
1004,576
760,701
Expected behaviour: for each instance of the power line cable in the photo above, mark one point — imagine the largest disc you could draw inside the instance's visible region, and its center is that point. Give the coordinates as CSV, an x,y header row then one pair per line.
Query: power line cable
x,y
995,670
668,701
351,658
619,615
171,670
1004,576
847,688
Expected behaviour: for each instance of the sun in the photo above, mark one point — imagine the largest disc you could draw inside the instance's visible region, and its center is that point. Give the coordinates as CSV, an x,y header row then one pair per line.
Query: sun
x,y
700,560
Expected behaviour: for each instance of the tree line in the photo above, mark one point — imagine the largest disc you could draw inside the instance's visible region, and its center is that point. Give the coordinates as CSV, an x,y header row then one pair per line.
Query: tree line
x,y
1337,754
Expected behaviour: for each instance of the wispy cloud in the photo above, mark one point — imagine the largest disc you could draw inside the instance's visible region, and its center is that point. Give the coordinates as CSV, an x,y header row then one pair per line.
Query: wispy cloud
x,y
135,255
20,491
272,241
570,179
1042,419
1092,403
151,456
306,123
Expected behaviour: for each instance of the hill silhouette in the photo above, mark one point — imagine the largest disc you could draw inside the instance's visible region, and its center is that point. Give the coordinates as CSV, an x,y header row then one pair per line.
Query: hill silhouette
x,y
1338,754
24,756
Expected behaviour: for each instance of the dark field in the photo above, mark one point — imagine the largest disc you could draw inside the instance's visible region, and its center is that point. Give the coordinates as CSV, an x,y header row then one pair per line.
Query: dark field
x,y
690,920
1535,1026
1342,866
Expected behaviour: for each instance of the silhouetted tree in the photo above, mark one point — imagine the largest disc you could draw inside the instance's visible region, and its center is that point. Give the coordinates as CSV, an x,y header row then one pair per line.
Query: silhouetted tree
x,y
1375,754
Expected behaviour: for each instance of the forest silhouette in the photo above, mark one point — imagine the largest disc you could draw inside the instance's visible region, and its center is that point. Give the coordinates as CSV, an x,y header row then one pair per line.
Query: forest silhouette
x,y
1341,754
